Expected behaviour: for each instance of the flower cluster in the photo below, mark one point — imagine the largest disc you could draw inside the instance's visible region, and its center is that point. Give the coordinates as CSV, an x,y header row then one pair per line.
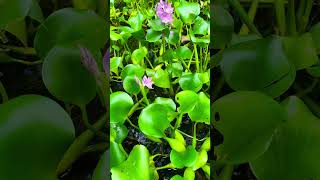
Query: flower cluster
x,y
164,11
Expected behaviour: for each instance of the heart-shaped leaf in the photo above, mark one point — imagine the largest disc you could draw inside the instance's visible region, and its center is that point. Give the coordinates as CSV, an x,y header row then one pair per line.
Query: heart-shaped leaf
x,y
187,100
120,105
66,78
188,11
156,24
201,111
186,158
190,81
153,36
259,65
153,120
47,133
62,27
135,167
183,52
130,85
138,55
201,26
132,70
161,78
247,120
294,148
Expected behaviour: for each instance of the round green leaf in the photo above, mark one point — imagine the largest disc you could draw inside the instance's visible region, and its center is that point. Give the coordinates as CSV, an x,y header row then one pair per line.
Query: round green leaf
x,y
176,177
201,26
201,111
188,11
153,120
186,158
120,105
130,85
188,174
135,21
121,132
190,81
117,154
187,100
153,36
168,102
175,69
35,133
161,78
183,52
315,32
132,70
156,24
63,27
138,55
259,65
300,51
247,120
135,167
295,146
115,63
66,78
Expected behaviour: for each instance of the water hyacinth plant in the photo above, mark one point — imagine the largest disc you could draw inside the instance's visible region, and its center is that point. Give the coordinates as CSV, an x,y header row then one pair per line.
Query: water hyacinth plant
x,y
266,102
159,102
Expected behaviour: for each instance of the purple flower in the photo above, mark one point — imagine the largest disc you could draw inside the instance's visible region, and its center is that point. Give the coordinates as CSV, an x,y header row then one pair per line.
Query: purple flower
x,y
89,62
165,12
146,81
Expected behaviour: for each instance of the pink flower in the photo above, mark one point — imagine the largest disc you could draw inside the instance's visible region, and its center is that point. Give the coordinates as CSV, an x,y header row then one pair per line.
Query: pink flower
x,y
165,12
146,81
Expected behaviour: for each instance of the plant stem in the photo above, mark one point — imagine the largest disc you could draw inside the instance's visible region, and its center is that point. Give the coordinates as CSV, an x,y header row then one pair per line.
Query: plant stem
x,y
196,57
280,14
305,17
96,147
252,13
218,87
243,16
178,122
292,26
21,50
194,140
144,94
129,121
87,124
3,93
165,167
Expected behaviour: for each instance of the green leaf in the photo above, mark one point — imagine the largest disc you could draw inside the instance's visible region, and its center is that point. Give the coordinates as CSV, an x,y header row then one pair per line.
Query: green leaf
x,y
62,27
153,120
132,70
66,78
186,158
202,159
259,65
315,32
174,37
115,63
187,100
201,26
120,130
35,11
100,173
120,105
175,69
314,71
201,111
135,167
135,21
176,177
176,145
168,102
222,27
188,174
47,133
18,29
130,85
153,36
156,24
13,10
161,78
117,154
183,52
188,11
300,51
138,55
295,147
190,81
85,4
247,120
